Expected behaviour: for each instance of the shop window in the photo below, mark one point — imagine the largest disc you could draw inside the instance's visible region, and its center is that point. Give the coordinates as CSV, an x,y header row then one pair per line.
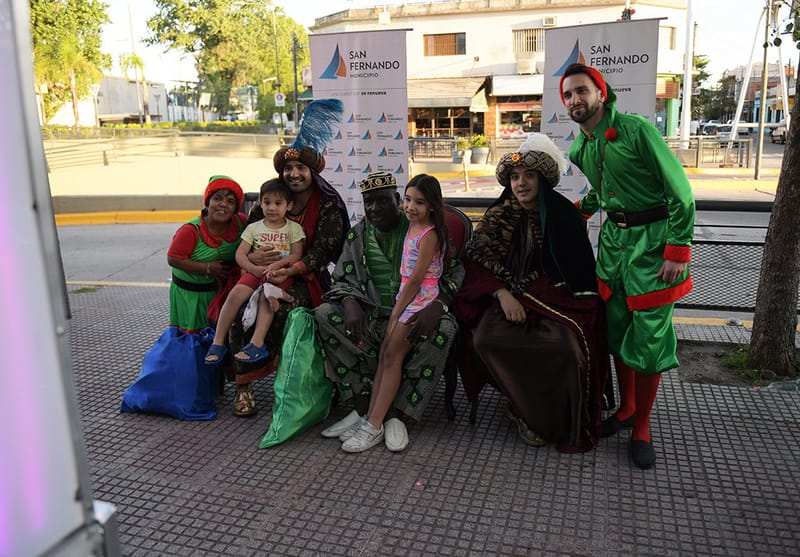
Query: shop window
x,y
518,124
666,37
447,44
528,41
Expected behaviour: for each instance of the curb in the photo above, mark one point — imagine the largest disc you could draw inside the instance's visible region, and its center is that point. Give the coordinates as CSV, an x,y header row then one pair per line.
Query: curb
x,y
124,217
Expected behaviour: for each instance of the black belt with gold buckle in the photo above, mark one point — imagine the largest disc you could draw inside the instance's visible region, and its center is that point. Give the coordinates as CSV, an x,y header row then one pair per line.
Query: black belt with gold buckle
x,y
626,220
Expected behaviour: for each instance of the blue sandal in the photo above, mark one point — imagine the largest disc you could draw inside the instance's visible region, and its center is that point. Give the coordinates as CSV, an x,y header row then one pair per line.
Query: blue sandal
x,y
254,354
216,351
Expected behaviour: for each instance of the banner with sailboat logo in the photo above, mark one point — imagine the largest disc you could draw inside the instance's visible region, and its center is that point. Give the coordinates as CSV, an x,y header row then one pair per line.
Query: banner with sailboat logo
x,y
366,70
626,53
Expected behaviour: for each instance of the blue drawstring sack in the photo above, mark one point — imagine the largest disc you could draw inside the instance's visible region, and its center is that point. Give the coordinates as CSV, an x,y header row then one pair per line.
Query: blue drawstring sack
x,y
174,379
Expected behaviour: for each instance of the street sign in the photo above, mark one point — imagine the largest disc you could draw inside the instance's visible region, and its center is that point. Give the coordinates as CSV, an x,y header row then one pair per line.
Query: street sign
x,y
280,99
276,118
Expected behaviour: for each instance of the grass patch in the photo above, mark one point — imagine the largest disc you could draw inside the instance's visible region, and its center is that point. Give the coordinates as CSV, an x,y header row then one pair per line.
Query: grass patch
x,y
738,360
85,290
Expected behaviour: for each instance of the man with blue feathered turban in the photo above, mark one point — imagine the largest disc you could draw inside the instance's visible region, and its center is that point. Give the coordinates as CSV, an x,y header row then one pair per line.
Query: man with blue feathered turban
x,y
322,213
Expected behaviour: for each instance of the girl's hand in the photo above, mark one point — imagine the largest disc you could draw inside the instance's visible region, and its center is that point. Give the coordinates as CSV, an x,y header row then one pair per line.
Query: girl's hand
x,y
512,308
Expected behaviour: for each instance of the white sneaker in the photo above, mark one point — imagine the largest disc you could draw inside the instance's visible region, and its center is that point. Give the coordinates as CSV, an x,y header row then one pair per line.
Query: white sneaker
x,y
396,436
339,427
350,431
364,438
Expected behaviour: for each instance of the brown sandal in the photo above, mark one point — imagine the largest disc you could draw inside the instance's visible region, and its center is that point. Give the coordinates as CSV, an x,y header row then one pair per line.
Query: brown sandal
x,y
244,405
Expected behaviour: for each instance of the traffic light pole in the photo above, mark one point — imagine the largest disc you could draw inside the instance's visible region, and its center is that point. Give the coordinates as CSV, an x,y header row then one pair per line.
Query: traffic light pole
x,y
295,46
762,107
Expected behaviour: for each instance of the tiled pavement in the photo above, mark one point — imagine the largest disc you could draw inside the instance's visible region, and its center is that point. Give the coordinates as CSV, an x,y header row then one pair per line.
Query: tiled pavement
x,y
725,483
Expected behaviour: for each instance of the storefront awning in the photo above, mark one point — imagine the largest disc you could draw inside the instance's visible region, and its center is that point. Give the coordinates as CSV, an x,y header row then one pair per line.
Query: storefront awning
x,y
513,85
444,92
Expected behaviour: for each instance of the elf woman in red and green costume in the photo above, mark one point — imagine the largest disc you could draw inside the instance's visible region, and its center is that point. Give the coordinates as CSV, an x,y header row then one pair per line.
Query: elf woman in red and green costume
x,y
644,252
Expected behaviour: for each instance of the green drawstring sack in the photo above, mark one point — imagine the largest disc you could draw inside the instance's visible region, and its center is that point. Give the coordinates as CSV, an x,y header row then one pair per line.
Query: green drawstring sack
x,y
302,392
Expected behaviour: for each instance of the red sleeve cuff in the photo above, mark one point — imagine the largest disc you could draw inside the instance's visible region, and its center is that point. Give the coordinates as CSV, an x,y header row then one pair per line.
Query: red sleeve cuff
x,y
584,214
679,254
301,267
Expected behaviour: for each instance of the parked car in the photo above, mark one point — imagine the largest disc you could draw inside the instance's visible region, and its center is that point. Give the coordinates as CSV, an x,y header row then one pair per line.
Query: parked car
x,y
710,129
779,134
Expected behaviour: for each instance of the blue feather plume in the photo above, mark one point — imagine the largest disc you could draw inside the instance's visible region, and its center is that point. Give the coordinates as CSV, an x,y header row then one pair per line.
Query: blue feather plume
x,y
317,125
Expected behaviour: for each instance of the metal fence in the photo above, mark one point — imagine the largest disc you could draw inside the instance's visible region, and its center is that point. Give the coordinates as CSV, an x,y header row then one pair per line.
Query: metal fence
x,y
725,273
702,151
698,151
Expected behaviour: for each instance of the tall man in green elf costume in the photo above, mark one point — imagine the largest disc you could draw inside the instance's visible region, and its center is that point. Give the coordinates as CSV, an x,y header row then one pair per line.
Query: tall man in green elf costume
x,y
644,252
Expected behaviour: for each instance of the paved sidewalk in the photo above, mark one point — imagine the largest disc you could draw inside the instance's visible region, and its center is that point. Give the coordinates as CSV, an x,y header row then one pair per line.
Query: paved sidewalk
x,y
725,483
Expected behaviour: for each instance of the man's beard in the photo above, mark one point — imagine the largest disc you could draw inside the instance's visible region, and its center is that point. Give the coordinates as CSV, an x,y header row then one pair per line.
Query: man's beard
x,y
588,112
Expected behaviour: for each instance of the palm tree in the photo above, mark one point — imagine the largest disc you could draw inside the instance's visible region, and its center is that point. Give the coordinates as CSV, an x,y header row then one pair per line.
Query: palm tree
x,y
134,62
63,64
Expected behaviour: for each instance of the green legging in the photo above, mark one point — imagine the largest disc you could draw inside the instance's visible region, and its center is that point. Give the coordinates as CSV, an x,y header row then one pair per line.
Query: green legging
x,y
645,340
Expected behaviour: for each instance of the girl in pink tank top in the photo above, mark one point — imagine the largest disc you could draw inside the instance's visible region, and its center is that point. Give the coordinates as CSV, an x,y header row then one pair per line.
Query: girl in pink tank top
x,y
424,250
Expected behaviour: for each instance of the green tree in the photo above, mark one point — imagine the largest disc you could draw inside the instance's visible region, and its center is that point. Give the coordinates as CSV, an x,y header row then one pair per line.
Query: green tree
x,y
234,43
66,47
702,99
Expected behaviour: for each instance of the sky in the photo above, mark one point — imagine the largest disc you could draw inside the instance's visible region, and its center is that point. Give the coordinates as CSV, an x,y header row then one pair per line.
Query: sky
x,y
725,33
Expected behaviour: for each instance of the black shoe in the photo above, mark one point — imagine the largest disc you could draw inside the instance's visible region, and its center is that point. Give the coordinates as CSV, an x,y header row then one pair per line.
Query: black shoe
x,y
612,425
642,454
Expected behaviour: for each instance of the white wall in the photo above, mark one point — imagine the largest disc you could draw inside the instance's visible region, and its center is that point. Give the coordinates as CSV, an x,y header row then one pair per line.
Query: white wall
x,y
117,96
489,37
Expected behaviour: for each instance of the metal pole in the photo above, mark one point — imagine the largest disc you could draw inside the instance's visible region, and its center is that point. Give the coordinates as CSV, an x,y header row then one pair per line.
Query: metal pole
x,y
745,82
688,68
296,101
762,106
781,69
139,99
275,44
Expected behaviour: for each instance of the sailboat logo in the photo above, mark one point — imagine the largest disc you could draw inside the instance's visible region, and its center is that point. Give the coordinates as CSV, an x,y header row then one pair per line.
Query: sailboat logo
x,y
339,168
399,135
575,57
352,152
554,119
367,169
571,136
382,118
382,152
366,135
336,67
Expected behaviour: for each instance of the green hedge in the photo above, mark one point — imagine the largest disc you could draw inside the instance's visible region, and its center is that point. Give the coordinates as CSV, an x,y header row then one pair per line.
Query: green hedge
x,y
68,132
253,126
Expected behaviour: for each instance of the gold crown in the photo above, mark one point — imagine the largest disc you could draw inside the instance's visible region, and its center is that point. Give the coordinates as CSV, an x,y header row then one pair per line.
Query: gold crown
x,y
377,181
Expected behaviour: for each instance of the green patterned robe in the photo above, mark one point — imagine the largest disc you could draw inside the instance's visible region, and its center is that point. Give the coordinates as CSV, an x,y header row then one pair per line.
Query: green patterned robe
x,y
352,366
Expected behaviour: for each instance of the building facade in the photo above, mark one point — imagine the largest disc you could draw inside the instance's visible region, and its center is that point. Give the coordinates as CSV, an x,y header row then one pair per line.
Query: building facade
x,y
475,66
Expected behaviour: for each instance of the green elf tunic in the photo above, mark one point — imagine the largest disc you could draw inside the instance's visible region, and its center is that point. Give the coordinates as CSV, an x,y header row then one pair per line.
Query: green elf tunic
x,y
631,169
191,293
